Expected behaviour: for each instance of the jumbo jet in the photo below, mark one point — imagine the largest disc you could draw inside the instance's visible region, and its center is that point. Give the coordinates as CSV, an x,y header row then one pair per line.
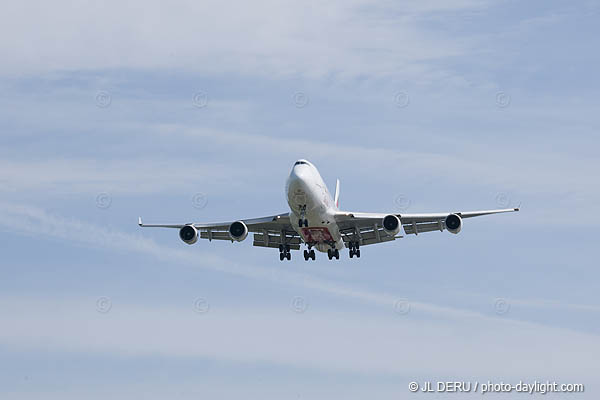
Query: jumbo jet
x,y
316,221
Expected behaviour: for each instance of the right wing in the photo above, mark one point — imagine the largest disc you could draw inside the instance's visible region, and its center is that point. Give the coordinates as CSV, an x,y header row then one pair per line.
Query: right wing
x,y
268,231
367,227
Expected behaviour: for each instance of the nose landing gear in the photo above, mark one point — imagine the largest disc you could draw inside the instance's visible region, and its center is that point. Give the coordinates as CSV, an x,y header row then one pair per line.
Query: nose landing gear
x,y
303,221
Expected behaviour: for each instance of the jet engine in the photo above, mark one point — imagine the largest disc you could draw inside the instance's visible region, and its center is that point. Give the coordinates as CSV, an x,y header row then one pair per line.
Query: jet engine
x,y
238,231
391,225
189,234
453,223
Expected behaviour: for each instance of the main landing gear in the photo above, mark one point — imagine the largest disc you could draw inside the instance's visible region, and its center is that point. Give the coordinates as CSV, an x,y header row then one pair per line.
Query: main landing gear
x,y
309,254
284,252
354,249
333,253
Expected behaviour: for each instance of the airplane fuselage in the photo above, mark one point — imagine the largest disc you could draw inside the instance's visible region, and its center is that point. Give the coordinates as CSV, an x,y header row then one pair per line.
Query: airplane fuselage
x,y
309,200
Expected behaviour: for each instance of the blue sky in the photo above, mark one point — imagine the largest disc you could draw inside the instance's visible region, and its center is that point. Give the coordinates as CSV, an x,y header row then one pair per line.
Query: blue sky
x,y
196,112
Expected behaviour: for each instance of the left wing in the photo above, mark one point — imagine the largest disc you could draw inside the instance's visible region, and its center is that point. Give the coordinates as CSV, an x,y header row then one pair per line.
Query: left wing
x,y
368,227
268,231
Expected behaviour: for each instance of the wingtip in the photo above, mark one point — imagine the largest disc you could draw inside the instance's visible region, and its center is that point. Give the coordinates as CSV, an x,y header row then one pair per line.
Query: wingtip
x,y
516,209
140,221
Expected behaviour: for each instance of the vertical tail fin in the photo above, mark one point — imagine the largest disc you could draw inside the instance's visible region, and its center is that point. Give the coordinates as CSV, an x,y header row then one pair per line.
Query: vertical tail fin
x,y
337,194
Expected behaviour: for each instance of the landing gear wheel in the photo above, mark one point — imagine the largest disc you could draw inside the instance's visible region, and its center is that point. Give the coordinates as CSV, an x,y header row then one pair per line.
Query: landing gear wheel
x,y
336,253
351,253
284,252
303,222
357,252
306,255
312,255
329,254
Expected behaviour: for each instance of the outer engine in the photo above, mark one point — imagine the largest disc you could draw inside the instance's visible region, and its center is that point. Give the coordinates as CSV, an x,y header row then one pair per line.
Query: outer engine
x,y
391,225
238,231
453,223
188,234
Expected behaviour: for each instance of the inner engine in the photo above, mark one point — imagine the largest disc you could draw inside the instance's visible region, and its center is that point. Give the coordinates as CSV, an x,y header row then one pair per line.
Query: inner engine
x,y
238,231
188,234
453,223
391,225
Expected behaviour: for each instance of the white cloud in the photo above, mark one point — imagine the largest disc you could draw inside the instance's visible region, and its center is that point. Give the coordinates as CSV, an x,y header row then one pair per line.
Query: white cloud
x,y
131,176
347,38
529,174
334,342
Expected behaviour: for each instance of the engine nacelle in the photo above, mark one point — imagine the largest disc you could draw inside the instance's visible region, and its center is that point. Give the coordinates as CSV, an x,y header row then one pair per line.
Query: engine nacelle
x,y
453,223
188,234
391,225
238,231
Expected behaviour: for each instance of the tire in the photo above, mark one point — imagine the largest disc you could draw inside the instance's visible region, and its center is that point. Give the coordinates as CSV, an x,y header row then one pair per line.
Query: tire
x,y
281,256
351,253
312,255
288,256
357,253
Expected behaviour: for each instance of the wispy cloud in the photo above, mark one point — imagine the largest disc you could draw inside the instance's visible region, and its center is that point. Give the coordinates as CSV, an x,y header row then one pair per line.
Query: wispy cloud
x,y
317,340
346,38
35,221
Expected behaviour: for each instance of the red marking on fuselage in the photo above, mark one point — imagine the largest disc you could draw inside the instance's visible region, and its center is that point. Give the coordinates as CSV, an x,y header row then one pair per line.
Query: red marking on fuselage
x,y
317,234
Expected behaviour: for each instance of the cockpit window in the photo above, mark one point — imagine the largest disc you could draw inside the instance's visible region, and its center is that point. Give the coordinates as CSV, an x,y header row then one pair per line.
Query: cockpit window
x,y
300,162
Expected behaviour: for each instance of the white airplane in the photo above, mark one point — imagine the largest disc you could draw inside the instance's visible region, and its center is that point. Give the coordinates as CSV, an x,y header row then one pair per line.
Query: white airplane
x,y
316,221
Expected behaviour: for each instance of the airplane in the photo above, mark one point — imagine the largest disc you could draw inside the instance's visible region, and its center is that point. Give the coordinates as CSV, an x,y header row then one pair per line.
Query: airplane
x,y
316,221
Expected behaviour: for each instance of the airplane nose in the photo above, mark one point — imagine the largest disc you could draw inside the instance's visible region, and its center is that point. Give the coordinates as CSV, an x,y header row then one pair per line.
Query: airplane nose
x,y
299,172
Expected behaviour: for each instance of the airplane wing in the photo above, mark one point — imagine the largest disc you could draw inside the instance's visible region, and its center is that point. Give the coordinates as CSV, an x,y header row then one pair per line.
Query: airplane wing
x,y
270,231
367,228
